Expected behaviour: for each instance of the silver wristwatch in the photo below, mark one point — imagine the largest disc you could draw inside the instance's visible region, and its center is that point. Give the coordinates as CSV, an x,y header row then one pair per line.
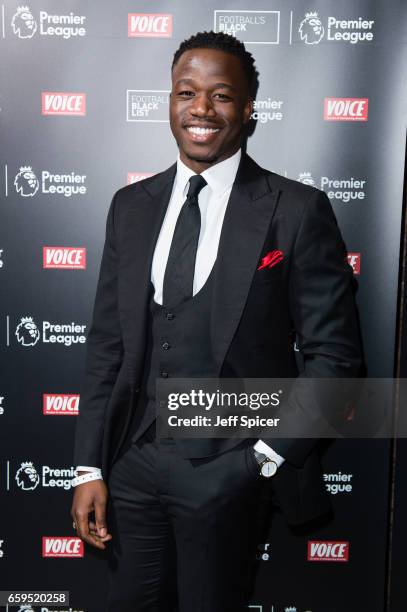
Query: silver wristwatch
x,y
267,466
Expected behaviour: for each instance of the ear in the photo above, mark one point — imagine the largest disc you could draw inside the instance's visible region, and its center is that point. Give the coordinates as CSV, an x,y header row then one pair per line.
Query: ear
x,y
248,110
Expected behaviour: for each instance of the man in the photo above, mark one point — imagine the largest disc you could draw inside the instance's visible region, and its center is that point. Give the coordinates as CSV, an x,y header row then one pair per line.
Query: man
x,y
210,269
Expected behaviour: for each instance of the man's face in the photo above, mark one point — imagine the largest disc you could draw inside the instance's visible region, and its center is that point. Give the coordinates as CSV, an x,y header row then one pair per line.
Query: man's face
x,y
209,106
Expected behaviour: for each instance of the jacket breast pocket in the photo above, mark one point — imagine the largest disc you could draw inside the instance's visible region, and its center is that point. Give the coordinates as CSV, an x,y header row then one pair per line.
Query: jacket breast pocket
x,y
267,276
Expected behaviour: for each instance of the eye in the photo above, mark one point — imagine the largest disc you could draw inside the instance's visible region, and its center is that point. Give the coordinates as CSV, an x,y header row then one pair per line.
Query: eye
x,y
186,93
222,97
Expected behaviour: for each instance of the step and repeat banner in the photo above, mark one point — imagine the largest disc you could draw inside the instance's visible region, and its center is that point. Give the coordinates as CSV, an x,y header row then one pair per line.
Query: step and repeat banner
x,y
84,110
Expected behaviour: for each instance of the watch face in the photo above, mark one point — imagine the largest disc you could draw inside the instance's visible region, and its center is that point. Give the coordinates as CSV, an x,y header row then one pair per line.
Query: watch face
x,y
269,469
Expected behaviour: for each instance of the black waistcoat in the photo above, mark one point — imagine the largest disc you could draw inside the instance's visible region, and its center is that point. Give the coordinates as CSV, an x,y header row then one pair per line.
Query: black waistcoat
x,y
178,346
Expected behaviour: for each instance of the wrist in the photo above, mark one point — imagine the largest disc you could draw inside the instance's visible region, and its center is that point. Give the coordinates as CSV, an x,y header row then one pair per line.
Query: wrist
x,y
267,467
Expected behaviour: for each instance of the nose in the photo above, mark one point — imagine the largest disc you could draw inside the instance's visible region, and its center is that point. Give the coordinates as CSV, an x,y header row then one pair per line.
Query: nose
x,y
202,106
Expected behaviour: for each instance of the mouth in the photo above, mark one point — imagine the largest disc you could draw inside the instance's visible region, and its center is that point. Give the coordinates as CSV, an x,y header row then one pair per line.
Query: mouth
x,y
201,134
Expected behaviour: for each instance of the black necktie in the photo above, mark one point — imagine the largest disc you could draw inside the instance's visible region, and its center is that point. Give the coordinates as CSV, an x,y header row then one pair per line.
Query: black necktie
x,y
179,273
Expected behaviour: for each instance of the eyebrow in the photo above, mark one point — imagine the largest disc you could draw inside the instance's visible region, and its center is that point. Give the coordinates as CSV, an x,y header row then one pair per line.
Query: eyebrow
x,y
215,85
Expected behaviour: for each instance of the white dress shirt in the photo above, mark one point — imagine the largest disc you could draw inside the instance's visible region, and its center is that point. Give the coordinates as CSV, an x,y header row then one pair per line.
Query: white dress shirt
x,y
212,200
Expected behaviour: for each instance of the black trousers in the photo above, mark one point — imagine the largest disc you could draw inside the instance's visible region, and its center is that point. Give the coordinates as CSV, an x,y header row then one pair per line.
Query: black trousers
x,y
184,530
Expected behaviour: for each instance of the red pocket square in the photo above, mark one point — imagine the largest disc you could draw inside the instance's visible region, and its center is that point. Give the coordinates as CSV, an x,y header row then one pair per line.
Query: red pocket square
x,y
271,259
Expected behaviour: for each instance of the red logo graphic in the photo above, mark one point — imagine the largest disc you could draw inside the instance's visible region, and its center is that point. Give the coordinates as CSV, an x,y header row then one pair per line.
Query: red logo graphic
x,y
64,258
346,109
271,259
135,177
328,551
354,262
155,25
60,404
63,103
62,546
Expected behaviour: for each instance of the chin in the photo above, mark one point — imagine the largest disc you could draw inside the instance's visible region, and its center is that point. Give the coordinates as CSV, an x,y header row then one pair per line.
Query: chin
x,y
202,156
209,159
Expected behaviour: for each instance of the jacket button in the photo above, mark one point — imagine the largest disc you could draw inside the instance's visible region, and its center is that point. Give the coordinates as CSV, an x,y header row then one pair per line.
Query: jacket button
x,y
166,346
164,374
169,316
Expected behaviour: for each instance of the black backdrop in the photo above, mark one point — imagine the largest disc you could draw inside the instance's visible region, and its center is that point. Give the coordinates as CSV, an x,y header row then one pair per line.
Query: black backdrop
x,y
83,106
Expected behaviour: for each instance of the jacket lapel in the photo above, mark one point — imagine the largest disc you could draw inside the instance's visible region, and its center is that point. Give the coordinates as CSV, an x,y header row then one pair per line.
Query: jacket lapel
x,y
143,224
248,215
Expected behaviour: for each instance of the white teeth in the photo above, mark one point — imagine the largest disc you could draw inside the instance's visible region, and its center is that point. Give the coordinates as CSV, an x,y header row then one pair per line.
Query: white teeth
x,y
202,131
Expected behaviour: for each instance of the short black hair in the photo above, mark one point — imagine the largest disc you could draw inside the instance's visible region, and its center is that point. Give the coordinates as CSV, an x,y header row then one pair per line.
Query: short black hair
x,y
222,42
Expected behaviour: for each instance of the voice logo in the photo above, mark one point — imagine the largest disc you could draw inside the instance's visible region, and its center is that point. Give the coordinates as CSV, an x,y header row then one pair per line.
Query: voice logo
x,y
62,546
1,258
1,549
252,27
63,103
346,109
23,23
135,177
64,258
60,404
2,407
27,477
328,551
152,25
354,262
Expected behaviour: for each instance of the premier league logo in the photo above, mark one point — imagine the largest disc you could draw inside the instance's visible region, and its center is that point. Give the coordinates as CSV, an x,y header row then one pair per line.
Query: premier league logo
x,y
27,332
27,477
23,23
26,183
311,29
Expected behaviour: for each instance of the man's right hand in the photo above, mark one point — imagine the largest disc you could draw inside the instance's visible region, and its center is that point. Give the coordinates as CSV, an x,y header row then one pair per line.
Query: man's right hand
x,y
91,497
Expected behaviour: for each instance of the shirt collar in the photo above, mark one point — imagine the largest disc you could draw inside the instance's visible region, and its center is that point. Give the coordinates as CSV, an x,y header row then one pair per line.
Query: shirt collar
x,y
219,177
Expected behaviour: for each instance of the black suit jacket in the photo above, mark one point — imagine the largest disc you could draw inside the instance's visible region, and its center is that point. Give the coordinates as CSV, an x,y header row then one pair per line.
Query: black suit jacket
x,y
256,314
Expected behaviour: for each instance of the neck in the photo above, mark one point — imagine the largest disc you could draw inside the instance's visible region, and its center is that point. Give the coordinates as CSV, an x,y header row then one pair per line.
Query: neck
x,y
200,165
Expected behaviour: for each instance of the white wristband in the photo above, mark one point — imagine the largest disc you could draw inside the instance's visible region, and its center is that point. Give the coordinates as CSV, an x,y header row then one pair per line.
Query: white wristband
x,y
87,468
85,478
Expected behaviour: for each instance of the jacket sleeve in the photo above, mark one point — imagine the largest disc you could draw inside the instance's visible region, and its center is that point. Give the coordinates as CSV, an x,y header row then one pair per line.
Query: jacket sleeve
x,y
104,354
324,314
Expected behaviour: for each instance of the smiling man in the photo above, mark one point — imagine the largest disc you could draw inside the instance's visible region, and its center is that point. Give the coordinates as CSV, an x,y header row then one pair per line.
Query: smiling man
x,y
209,128
210,269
